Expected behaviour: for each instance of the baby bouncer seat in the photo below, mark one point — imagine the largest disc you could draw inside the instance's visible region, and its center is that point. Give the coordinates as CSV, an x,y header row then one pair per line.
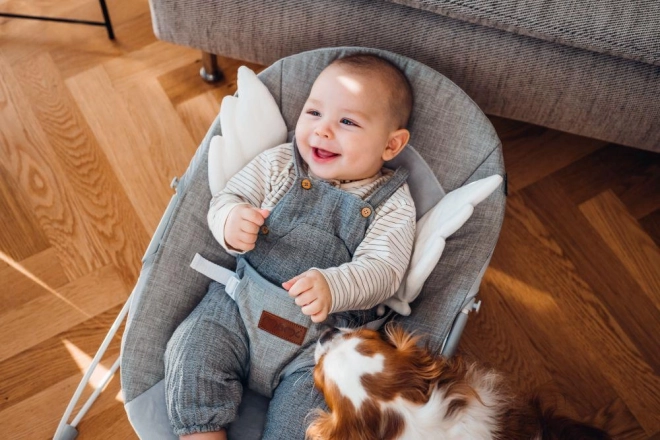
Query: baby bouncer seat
x,y
452,144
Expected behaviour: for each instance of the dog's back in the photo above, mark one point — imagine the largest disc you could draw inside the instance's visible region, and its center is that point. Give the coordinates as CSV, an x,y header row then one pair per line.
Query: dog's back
x,y
394,389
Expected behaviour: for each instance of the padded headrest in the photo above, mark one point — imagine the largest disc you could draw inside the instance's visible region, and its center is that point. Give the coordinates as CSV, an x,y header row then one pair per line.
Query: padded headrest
x,y
448,130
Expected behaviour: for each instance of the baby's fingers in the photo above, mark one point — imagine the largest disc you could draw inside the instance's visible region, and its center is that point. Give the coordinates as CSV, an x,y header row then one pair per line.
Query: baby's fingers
x,y
319,317
244,246
305,298
300,284
247,237
287,284
255,216
315,311
311,309
249,228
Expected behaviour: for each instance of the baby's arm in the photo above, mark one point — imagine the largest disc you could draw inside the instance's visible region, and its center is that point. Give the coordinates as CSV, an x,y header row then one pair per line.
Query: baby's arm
x,y
242,227
377,268
234,214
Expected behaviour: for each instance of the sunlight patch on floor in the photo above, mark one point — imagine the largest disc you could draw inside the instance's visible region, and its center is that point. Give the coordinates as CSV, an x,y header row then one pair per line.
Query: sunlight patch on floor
x,y
520,291
18,267
83,360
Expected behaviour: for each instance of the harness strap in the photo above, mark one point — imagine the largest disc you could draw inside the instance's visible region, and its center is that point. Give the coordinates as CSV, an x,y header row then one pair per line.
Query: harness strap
x,y
230,280
379,196
388,188
297,160
217,273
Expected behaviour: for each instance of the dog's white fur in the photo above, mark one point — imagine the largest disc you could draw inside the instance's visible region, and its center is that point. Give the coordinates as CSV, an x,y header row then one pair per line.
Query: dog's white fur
x,y
345,366
393,389
348,379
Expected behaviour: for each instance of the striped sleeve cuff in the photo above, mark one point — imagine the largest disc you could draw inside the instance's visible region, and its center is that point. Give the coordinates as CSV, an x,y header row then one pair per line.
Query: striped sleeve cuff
x,y
359,285
339,290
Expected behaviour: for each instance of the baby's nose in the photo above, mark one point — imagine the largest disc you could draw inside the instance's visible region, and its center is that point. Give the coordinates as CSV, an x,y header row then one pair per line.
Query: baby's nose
x,y
322,130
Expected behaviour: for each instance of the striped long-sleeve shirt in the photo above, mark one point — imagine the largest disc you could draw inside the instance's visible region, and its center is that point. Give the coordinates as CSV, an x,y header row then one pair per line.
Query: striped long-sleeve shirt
x,y
379,262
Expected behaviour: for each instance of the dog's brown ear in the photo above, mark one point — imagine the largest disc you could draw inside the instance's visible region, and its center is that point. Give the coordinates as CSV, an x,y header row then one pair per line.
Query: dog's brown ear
x,y
335,426
371,424
400,338
319,376
322,428
391,424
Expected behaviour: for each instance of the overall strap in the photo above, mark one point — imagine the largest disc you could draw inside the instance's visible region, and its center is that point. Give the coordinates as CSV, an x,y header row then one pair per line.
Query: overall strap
x,y
390,187
297,160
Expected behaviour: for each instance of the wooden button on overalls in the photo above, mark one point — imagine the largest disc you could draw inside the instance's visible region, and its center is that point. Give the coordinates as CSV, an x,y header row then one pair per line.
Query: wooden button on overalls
x,y
366,212
264,229
306,184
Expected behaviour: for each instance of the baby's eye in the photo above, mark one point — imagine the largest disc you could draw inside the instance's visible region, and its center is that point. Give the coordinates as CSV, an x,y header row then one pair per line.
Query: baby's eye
x,y
313,113
347,122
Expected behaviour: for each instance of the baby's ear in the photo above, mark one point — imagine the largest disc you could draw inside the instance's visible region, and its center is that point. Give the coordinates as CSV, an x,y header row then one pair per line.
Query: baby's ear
x,y
395,144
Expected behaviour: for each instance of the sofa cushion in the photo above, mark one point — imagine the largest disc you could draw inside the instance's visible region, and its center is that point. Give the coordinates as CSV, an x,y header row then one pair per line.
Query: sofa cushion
x,y
625,29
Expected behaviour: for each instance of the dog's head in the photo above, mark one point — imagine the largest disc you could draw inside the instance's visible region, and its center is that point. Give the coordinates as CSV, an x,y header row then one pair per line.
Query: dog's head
x,y
362,375
387,387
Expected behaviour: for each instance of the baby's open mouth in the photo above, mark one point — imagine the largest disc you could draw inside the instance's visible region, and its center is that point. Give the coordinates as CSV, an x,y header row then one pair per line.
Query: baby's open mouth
x,y
323,154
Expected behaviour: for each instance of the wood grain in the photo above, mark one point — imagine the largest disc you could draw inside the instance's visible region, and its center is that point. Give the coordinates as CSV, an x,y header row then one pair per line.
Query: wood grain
x,y
623,235
22,280
111,219
624,330
538,299
631,174
103,107
71,304
553,150
28,158
92,132
198,113
651,225
16,215
51,360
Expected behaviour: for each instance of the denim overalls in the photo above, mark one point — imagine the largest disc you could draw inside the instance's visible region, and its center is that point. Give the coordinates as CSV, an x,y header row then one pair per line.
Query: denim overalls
x,y
314,225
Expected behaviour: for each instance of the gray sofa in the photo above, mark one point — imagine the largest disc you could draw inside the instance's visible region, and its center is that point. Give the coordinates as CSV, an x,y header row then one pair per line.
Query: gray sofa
x,y
590,67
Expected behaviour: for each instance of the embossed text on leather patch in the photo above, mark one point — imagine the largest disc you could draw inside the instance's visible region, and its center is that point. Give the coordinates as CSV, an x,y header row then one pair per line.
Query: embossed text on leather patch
x,y
282,328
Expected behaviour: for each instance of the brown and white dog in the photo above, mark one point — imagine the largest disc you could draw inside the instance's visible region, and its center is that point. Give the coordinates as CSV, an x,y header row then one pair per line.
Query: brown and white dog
x,y
381,389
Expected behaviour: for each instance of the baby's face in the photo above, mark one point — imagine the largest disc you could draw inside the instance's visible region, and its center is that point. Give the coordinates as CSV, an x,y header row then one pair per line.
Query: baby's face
x,y
345,125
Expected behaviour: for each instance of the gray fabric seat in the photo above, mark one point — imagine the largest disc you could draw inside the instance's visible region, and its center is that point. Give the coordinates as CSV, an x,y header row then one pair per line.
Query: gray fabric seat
x,y
448,131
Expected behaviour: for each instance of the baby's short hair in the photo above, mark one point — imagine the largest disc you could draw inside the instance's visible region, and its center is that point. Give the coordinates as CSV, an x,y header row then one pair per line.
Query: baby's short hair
x,y
401,95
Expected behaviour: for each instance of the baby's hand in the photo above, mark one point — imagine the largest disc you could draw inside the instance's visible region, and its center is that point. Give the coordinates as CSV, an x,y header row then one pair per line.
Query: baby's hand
x,y
312,294
242,226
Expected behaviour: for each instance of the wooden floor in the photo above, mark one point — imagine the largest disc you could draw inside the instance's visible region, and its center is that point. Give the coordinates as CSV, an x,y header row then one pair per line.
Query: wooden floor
x,y
93,131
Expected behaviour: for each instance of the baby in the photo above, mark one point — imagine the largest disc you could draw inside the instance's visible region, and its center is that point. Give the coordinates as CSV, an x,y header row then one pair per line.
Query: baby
x,y
319,217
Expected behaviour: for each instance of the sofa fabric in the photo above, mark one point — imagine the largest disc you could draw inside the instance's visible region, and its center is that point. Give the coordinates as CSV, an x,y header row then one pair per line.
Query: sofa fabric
x,y
590,70
626,29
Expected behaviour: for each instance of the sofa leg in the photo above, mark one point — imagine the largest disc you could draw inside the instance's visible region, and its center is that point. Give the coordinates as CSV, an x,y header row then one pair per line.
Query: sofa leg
x,y
210,71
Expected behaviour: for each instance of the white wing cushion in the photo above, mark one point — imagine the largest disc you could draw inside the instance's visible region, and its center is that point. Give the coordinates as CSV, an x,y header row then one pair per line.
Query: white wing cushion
x,y
252,123
433,229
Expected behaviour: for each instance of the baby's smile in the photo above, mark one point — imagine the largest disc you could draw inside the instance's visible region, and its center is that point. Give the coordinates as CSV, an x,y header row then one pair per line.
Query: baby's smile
x,y
321,155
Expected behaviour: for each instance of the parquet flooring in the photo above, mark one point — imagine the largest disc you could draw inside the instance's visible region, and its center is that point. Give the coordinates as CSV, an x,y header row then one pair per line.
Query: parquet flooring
x,y
92,132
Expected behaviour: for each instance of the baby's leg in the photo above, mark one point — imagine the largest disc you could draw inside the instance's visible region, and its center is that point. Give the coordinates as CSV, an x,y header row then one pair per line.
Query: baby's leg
x,y
288,413
205,363
295,397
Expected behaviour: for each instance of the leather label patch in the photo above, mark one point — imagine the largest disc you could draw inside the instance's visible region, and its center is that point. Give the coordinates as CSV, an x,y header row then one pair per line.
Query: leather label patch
x,y
282,328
